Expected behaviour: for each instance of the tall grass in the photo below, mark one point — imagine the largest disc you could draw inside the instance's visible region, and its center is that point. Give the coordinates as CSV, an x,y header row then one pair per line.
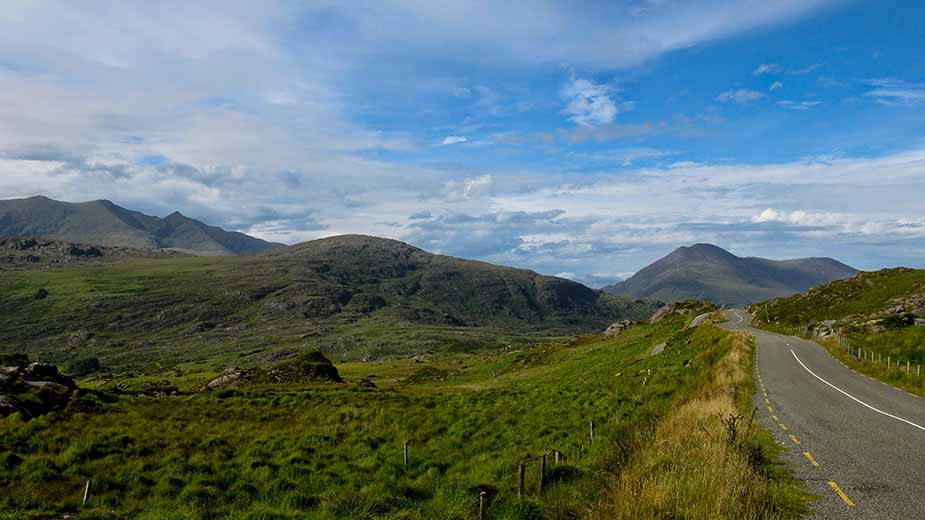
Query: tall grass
x,y
707,459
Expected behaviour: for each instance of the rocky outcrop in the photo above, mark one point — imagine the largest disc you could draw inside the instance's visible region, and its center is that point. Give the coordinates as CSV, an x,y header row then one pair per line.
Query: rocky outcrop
x,y
230,378
688,307
33,389
662,313
308,367
616,328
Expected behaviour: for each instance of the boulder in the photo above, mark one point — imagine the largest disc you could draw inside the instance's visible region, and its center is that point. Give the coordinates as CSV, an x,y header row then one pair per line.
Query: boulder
x,y
33,389
231,378
616,328
8,405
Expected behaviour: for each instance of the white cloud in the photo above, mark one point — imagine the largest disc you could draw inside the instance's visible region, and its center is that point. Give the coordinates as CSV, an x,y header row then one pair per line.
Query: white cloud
x,y
805,70
741,96
600,38
776,85
589,103
798,105
477,186
800,218
891,91
766,68
453,139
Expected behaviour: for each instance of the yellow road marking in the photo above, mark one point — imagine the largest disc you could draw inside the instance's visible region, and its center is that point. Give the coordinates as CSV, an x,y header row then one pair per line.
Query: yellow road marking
x,y
794,439
782,426
770,409
841,494
776,418
809,457
767,401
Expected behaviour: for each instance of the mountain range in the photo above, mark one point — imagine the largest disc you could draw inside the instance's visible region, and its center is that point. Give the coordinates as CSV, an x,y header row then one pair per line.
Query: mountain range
x,y
707,272
105,223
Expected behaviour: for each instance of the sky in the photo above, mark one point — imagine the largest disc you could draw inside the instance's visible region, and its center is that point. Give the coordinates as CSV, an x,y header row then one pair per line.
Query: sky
x,y
583,139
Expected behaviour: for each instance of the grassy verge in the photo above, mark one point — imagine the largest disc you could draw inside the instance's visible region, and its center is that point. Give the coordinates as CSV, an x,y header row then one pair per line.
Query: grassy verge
x,y
707,459
894,358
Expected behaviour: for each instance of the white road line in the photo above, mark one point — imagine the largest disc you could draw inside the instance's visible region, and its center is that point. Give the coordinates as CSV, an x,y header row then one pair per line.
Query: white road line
x,y
891,416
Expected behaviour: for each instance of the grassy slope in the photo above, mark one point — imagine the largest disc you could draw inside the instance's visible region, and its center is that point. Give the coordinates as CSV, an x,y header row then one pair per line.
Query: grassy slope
x,y
334,451
202,313
850,303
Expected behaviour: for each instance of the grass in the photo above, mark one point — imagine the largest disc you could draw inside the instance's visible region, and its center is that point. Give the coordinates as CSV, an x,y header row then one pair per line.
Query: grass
x,y
335,450
707,459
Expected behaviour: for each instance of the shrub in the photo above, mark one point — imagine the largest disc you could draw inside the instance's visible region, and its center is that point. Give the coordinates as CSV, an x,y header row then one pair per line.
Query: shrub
x,y
81,367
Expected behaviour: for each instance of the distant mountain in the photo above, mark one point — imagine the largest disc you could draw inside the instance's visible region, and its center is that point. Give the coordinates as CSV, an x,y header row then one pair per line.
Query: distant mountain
x,y
708,272
104,223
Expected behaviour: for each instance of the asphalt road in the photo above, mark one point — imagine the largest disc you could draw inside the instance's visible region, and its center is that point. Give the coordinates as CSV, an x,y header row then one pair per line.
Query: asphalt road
x,y
858,443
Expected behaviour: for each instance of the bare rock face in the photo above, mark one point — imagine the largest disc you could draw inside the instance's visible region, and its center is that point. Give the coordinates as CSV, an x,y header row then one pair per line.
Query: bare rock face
x,y
33,389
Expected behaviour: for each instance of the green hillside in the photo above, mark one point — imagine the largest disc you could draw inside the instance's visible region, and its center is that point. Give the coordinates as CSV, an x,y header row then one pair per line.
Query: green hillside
x,y
351,297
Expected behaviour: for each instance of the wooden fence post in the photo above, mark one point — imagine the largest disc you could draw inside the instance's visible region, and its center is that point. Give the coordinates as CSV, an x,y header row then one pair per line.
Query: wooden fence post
x,y
556,454
592,432
543,472
520,480
86,493
406,452
482,505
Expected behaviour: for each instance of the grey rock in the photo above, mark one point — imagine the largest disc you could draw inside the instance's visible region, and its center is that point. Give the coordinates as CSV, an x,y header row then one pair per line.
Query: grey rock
x,y
8,405
618,327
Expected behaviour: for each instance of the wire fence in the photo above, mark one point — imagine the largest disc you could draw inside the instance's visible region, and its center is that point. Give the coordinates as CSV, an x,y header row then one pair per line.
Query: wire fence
x,y
858,350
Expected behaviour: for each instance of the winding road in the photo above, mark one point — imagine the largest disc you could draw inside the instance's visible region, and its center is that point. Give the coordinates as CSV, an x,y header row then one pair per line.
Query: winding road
x,y
858,443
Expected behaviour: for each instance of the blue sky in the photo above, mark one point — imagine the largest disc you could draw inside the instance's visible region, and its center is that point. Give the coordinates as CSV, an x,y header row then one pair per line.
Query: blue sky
x,y
577,138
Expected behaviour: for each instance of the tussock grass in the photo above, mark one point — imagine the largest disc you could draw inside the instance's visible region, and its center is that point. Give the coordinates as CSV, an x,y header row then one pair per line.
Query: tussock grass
x,y
707,459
